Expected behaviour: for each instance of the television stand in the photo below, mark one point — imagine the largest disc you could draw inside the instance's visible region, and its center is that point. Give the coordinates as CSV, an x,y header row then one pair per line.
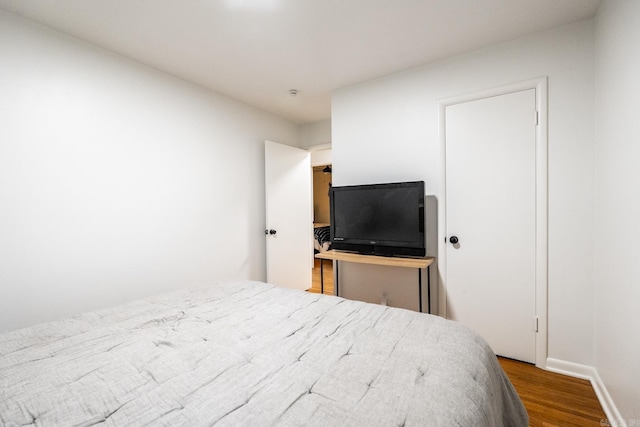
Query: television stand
x,y
419,263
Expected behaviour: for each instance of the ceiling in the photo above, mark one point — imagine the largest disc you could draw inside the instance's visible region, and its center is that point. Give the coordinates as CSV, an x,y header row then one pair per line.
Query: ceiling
x,y
255,51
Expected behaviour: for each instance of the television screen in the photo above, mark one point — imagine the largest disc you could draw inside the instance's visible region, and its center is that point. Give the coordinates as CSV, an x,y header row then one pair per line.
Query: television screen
x,y
384,219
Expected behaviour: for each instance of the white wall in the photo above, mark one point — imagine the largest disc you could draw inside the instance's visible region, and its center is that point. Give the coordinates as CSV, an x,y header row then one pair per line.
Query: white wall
x,y
617,226
315,134
321,157
387,130
118,181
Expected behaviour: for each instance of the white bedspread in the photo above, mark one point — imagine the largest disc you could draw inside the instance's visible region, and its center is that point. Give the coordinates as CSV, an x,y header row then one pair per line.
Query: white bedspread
x,y
248,353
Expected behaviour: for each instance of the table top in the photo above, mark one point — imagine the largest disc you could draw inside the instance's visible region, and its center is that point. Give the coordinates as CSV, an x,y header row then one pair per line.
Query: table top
x,y
391,261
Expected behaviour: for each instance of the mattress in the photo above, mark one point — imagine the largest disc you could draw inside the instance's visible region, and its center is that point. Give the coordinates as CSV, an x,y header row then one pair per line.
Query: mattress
x,y
249,353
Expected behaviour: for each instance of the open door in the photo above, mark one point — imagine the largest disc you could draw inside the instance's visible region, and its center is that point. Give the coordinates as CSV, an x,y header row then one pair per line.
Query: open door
x,y
289,219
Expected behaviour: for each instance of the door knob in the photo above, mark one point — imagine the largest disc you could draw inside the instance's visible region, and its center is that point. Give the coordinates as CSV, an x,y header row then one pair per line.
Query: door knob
x,y
453,240
272,232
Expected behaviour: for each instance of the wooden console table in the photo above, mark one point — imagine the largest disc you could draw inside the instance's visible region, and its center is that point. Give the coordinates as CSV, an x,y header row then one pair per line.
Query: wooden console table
x,y
419,263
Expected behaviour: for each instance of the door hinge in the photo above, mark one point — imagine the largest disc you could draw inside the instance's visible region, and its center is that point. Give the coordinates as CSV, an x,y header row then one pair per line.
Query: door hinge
x,y
536,324
537,118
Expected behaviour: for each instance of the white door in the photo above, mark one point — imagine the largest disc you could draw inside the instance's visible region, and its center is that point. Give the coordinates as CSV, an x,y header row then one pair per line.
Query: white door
x,y
491,212
289,230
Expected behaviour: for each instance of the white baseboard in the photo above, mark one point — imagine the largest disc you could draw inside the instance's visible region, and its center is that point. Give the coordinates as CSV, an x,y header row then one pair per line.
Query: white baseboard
x,y
590,373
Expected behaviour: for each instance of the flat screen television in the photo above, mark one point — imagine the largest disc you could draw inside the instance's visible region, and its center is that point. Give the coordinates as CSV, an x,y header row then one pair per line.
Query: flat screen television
x,y
379,219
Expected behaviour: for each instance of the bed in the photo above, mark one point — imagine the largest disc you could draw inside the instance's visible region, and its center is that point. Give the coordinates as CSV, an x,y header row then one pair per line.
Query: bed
x,y
249,353
321,238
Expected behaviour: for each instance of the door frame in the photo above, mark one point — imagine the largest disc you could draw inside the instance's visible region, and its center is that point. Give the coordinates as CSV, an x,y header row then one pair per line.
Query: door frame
x,y
541,279
319,154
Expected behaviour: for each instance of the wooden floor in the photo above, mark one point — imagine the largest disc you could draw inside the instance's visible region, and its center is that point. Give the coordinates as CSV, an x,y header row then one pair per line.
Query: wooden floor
x,y
552,400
